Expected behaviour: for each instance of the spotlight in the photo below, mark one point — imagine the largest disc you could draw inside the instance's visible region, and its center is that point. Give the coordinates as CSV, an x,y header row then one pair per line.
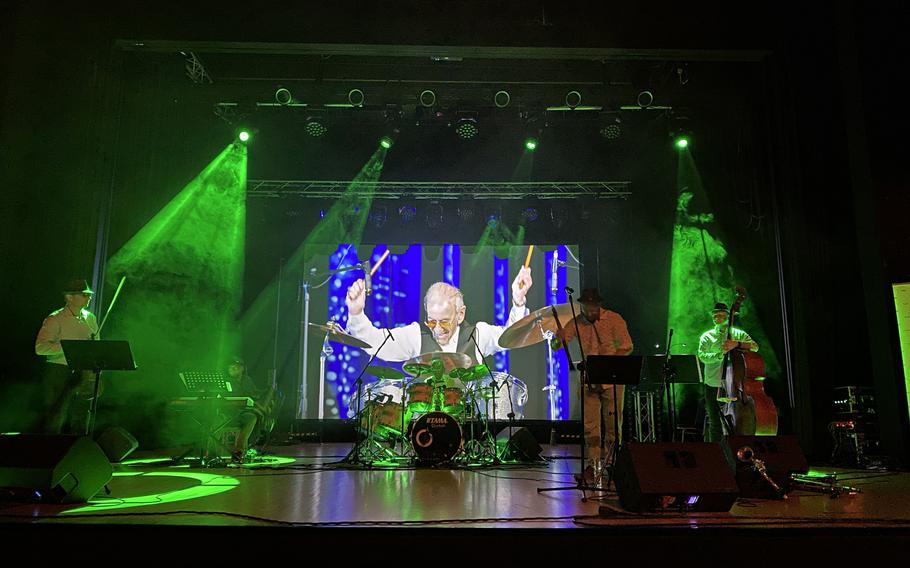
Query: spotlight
x,y
355,97
680,130
493,214
283,96
378,216
502,99
427,98
466,211
681,142
530,214
645,98
407,212
244,135
573,99
466,128
388,140
531,144
315,127
559,215
434,215
611,127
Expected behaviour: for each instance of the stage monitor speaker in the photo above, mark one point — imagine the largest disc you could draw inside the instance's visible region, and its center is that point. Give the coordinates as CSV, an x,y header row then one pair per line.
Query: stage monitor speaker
x,y
52,468
116,443
781,456
520,446
690,476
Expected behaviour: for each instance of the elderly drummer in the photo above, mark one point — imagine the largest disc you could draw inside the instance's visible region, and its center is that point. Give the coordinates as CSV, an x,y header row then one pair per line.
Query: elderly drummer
x,y
444,328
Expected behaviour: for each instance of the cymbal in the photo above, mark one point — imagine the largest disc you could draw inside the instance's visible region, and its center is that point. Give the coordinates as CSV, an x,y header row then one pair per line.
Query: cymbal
x,y
471,373
341,336
423,364
527,330
384,372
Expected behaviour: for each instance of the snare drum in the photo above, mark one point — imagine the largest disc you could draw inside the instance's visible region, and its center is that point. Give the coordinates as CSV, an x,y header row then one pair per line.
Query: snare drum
x,y
436,438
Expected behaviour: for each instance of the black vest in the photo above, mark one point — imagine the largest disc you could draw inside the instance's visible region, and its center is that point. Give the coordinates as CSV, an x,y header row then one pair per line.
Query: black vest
x,y
428,343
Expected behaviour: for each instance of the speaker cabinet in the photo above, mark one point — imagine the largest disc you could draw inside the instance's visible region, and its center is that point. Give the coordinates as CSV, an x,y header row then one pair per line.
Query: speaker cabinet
x,y
53,468
116,443
661,476
520,446
781,456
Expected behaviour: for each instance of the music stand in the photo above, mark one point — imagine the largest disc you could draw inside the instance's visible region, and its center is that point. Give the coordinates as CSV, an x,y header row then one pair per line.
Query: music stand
x,y
97,356
613,370
206,382
661,371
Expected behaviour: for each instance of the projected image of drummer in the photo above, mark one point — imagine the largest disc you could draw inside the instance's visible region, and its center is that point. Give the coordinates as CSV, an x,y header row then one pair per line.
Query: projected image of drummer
x,y
445,328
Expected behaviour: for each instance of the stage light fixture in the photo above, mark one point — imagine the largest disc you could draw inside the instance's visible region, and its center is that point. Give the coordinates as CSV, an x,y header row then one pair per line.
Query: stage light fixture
x,y
531,144
434,216
465,210
611,127
645,99
356,97
315,127
283,96
502,99
559,215
681,142
493,214
378,216
530,214
573,99
466,128
388,140
243,135
407,212
427,98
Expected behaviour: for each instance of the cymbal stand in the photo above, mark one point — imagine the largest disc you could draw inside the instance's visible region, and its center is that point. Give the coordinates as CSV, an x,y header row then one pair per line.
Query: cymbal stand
x,y
491,439
354,455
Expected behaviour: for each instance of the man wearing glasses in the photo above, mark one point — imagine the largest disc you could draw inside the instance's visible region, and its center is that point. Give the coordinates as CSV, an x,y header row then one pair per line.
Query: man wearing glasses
x,y
445,328
67,394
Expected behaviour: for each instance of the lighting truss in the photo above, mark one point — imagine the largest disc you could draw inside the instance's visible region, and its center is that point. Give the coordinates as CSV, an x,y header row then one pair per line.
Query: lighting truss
x,y
441,190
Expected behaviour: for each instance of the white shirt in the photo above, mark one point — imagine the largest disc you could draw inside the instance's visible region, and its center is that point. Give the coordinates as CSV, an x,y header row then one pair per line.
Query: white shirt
x,y
406,341
63,324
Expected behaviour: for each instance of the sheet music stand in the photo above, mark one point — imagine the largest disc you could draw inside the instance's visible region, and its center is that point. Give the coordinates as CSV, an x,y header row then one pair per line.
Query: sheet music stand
x,y
613,370
206,382
661,372
97,356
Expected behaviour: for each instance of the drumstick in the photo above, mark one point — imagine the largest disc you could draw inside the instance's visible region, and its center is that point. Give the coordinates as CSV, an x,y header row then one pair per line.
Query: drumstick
x,y
527,262
380,261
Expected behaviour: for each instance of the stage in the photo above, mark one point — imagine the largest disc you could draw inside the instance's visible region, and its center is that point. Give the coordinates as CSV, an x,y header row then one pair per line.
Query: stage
x,y
299,488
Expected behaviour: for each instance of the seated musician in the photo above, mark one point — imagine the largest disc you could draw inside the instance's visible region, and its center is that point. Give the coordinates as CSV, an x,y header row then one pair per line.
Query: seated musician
x,y
445,326
711,349
252,420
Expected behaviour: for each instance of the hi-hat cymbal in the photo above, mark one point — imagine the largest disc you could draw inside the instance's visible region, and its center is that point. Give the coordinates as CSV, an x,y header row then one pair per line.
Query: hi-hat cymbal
x,y
385,372
423,364
341,336
529,329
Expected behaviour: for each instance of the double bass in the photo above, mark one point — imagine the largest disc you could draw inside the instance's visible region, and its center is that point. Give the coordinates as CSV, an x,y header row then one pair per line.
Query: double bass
x,y
754,412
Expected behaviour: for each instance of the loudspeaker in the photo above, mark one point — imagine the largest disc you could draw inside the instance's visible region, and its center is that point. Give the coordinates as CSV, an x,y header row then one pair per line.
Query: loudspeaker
x,y
692,476
781,455
53,468
521,446
116,443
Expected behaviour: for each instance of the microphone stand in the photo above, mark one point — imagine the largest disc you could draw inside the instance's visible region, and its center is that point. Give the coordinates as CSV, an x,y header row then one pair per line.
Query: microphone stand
x,y
494,385
668,373
353,455
580,484
93,407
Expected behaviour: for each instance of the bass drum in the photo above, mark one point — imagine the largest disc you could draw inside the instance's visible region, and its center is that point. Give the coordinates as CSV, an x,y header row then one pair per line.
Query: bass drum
x,y
436,438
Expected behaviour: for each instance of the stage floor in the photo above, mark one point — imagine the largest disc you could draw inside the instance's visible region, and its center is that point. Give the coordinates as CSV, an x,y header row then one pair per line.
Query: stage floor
x,y
307,491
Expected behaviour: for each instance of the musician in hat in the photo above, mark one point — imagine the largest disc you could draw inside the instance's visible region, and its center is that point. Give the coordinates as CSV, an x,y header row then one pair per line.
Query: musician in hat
x,y
601,332
66,393
711,349
256,419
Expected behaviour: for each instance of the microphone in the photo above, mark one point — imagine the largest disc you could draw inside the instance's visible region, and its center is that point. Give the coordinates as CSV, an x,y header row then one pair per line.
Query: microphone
x,y
367,278
392,337
553,273
569,290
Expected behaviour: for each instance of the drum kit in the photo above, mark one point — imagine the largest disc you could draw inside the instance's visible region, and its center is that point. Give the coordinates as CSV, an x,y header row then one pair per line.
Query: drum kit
x,y
438,410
